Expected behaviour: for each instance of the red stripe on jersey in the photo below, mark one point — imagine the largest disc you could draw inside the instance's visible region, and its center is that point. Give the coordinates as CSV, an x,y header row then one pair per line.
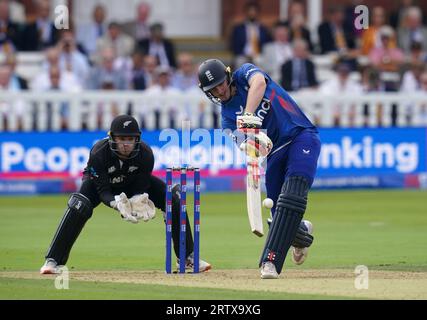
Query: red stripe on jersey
x,y
286,105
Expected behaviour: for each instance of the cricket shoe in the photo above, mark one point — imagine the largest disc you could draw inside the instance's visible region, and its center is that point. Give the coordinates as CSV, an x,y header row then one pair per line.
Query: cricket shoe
x,y
300,254
50,267
268,271
189,264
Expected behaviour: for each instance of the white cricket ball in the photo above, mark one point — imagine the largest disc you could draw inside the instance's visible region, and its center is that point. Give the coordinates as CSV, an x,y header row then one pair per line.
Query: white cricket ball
x,y
268,203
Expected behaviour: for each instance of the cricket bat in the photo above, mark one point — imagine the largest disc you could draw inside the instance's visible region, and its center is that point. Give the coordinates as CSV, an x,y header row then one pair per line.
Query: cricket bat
x,y
253,197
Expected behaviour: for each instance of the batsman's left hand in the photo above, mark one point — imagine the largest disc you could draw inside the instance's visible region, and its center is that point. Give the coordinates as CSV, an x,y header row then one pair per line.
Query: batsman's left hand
x,y
248,121
142,207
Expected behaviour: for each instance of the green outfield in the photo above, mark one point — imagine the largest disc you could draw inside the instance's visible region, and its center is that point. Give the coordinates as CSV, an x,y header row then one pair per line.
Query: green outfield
x,y
383,230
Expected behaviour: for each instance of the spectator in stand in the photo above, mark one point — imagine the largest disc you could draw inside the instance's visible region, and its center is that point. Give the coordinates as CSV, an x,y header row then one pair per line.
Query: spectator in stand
x,y
249,37
41,82
16,81
10,32
411,79
397,17
276,53
386,58
414,81
9,83
299,72
122,44
412,30
150,65
342,84
185,77
42,33
163,87
52,55
139,29
71,59
138,76
371,81
370,37
297,23
416,54
105,76
57,84
88,34
333,33
158,46
17,11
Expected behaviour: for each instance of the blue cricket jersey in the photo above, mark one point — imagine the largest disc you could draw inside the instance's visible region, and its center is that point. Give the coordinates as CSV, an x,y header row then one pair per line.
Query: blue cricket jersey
x,y
281,117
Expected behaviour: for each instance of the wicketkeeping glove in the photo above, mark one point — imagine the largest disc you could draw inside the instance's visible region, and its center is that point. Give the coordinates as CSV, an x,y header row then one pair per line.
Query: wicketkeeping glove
x,y
125,208
142,207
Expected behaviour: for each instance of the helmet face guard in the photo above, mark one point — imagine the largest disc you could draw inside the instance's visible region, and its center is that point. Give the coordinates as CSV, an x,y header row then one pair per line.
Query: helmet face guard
x,y
124,126
212,73
115,148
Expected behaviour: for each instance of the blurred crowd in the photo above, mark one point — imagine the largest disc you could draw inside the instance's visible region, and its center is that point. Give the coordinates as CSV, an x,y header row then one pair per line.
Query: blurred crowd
x,y
390,55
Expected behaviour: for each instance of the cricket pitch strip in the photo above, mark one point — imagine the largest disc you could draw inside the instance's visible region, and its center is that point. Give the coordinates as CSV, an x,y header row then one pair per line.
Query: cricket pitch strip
x,y
328,282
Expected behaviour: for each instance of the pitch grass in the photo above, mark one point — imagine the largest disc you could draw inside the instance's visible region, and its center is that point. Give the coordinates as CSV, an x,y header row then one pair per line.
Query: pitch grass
x,y
384,230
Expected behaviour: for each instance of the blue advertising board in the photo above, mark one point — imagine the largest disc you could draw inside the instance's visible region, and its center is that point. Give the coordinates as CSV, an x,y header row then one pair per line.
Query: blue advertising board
x,y
350,158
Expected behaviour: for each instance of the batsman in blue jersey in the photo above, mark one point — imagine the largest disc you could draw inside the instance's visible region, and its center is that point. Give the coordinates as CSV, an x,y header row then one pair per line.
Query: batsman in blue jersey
x,y
250,100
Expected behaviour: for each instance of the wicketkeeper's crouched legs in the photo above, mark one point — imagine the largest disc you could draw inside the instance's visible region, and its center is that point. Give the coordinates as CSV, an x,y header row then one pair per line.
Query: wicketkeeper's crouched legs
x,y
79,210
290,208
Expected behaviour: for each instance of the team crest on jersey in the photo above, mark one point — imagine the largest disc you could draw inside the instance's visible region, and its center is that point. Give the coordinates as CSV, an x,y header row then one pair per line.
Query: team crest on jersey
x,y
132,169
111,169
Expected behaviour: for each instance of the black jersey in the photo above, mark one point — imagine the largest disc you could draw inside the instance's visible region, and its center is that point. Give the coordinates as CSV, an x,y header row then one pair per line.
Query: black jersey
x,y
113,175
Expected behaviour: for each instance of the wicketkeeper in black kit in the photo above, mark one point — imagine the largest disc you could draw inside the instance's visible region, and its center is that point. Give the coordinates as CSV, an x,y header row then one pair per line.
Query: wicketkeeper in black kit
x,y
119,174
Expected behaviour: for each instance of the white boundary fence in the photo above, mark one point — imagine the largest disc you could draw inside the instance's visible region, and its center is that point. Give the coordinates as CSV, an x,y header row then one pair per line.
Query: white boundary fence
x,y
94,110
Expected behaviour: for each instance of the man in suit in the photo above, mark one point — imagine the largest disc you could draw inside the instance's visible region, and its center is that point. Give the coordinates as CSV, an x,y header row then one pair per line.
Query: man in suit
x,y
42,33
299,72
249,37
139,28
10,32
157,45
88,34
333,34
412,31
